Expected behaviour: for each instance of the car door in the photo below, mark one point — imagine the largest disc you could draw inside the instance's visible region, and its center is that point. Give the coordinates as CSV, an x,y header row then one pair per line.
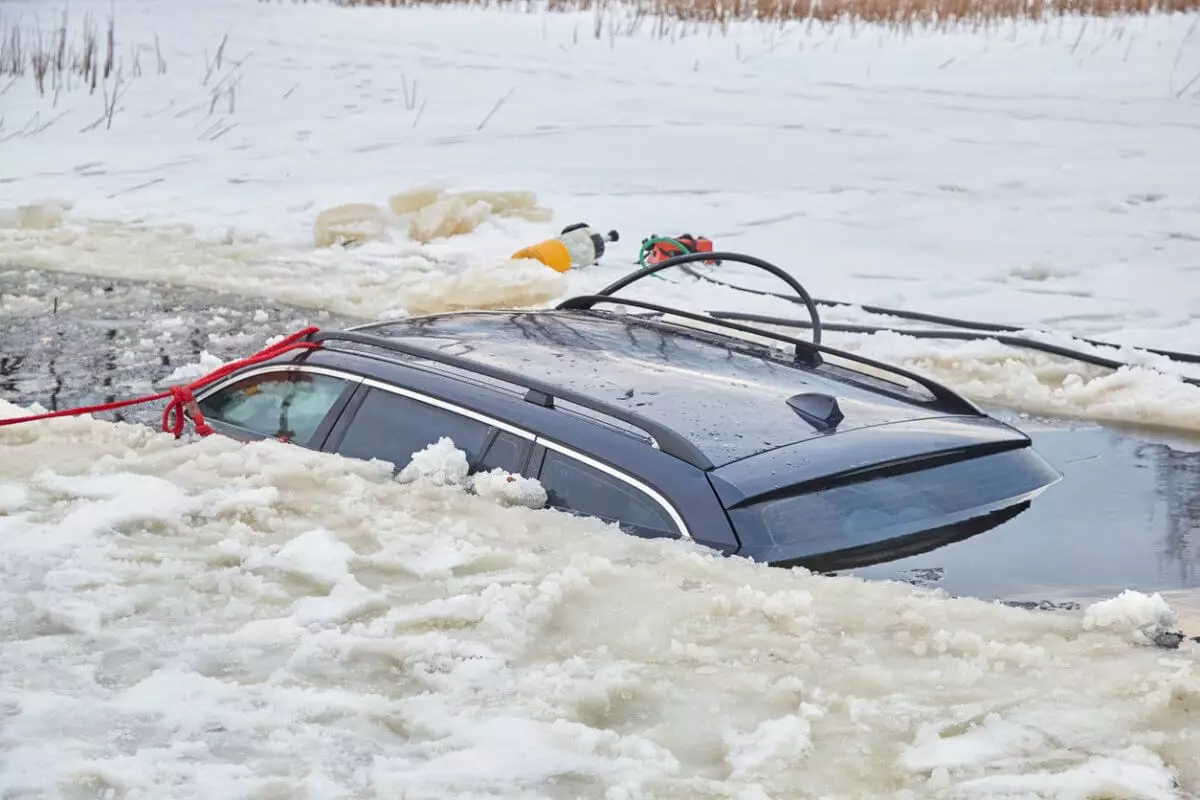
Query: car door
x,y
392,424
294,404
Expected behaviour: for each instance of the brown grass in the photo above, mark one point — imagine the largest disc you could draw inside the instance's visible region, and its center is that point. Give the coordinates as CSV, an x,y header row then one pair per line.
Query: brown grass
x,y
905,13
59,58
56,58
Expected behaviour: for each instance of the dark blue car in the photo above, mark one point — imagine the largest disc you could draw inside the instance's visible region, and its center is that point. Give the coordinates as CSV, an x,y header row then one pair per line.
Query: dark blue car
x,y
669,423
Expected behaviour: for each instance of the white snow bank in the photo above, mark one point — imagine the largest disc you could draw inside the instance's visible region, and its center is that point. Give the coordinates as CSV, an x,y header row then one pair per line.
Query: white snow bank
x,y
224,619
1039,383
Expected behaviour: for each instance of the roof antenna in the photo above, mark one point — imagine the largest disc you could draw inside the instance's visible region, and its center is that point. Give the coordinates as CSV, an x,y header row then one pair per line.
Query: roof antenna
x,y
819,410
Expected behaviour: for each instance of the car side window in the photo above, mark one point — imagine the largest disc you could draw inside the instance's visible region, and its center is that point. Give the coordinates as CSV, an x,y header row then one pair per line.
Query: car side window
x,y
285,404
507,452
392,427
574,486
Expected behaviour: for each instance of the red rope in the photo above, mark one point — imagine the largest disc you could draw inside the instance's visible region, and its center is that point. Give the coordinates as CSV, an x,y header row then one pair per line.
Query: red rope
x,y
182,397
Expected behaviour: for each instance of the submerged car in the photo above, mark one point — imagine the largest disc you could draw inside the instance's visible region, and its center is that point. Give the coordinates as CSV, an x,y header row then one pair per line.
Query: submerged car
x,y
667,422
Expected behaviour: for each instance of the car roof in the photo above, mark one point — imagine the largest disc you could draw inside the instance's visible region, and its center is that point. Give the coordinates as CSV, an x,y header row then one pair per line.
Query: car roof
x,y
726,396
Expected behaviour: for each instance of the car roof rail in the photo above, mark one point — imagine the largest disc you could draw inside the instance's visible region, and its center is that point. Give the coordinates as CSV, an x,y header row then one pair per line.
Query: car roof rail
x,y
583,302
945,398
538,392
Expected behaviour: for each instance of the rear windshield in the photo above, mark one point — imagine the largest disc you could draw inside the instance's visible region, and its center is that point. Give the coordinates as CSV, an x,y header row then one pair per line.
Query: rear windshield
x,y
875,510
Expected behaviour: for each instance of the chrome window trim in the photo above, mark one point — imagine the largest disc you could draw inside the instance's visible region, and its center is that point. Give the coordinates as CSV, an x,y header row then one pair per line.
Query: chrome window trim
x,y
359,379
331,373
265,370
615,473
470,414
519,390
451,407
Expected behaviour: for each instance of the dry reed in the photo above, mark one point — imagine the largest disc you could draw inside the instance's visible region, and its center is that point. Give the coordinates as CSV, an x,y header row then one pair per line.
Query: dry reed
x,y
901,13
56,57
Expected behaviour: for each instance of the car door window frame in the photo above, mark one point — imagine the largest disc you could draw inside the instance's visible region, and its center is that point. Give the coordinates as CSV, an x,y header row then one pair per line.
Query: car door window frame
x,y
390,426
339,432
333,429
320,434
537,461
527,448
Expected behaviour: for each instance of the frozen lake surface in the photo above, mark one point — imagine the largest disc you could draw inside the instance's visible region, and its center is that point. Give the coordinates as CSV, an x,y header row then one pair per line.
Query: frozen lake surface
x,y
210,619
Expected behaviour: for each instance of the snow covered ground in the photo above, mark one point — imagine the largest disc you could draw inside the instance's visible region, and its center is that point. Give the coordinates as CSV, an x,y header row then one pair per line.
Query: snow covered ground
x,y
212,619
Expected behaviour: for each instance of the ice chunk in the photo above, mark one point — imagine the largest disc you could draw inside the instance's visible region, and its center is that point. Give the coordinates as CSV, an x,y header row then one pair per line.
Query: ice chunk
x,y
12,497
350,224
451,216
434,214
318,556
775,744
440,463
186,373
509,489
992,740
412,201
1100,777
42,215
1138,615
430,213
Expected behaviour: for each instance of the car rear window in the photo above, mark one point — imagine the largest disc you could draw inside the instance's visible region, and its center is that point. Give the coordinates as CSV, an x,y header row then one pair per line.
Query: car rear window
x,y
887,506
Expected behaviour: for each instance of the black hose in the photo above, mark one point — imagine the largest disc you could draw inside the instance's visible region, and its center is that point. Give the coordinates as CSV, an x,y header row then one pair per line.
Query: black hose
x,y
1186,358
683,260
969,336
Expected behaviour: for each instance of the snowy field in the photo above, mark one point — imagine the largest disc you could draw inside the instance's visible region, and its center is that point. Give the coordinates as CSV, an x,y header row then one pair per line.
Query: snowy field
x,y
210,619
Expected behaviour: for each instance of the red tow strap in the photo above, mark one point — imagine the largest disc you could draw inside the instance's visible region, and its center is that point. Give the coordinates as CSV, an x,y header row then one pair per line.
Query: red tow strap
x,y
182,397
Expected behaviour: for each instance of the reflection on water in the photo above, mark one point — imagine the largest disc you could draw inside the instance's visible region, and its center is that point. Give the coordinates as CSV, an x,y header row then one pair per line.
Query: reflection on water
x,y
1126,514
1178,478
